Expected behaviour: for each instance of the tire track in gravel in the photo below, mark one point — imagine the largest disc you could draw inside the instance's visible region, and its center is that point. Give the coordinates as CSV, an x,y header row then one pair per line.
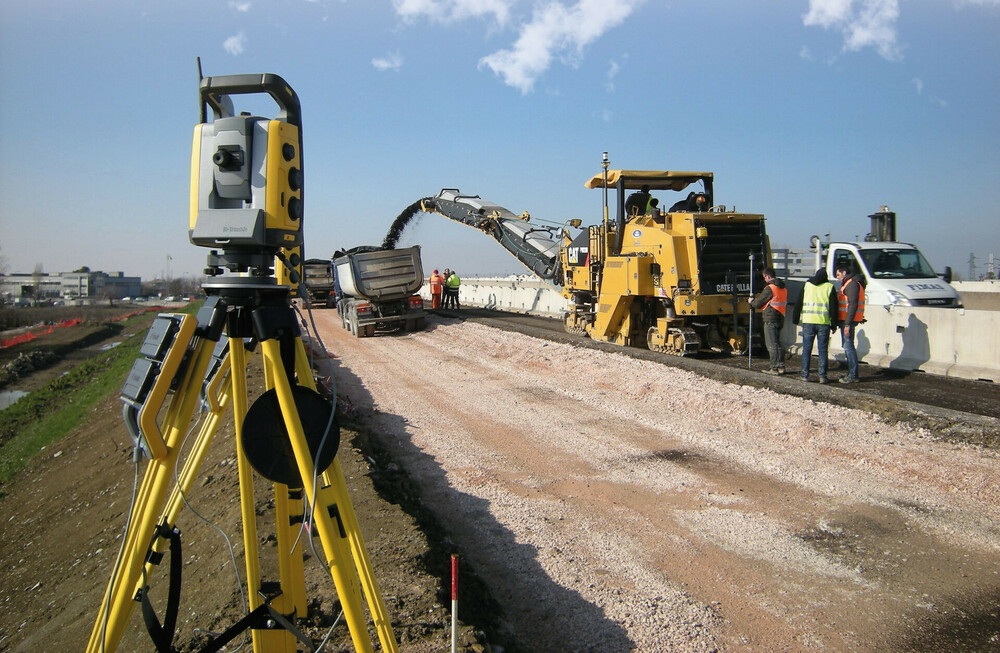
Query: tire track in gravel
x,y
692,513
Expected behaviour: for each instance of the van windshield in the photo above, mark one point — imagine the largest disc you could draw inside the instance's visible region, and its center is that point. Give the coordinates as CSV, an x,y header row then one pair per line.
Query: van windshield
x,y
897,264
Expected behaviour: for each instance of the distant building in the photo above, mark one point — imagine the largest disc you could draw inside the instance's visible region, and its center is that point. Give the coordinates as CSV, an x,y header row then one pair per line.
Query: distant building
x,y
790,263
91,285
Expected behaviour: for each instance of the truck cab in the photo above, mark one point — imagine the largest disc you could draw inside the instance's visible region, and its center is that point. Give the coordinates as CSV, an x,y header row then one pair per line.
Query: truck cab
x,y
897,274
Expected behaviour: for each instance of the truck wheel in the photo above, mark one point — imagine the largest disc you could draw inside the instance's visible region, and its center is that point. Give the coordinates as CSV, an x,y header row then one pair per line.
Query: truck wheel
x,y
369,331
421,323
410,325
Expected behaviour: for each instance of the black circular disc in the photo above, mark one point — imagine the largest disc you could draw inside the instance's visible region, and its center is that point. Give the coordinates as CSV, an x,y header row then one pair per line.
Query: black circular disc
x,y
265,438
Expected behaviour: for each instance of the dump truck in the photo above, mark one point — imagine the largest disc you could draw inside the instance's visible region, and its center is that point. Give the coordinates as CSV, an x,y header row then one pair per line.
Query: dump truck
x,y
675,281
319,282
377,289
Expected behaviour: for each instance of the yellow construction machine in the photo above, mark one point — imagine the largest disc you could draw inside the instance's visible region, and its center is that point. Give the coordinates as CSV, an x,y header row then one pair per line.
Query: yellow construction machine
x,y
675,281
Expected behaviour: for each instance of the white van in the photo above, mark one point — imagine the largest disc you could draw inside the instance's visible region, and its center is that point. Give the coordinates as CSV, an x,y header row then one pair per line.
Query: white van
x,y
897,273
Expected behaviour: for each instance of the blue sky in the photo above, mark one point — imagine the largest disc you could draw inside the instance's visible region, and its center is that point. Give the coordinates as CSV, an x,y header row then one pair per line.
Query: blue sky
x,y
812,112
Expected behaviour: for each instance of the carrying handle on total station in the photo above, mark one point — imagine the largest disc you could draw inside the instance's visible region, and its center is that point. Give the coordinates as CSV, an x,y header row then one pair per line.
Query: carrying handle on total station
x,y
215,92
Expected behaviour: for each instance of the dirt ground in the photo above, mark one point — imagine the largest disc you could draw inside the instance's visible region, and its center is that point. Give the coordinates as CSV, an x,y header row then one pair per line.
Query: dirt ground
x,y
64,514
598,502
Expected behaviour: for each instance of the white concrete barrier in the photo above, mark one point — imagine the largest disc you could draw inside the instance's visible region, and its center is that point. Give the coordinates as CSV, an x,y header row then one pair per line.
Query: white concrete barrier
x,y
517,294
950,342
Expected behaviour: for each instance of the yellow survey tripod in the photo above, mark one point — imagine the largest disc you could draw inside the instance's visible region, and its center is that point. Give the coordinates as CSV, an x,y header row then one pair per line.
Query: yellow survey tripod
x,y
289,434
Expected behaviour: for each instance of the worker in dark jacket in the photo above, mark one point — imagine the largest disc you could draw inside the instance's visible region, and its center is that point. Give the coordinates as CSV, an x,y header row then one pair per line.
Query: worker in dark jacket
x,y
774,302
850,313
817,313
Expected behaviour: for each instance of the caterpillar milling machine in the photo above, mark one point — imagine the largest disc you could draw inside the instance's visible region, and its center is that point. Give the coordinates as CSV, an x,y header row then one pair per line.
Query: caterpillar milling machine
x,y
675,281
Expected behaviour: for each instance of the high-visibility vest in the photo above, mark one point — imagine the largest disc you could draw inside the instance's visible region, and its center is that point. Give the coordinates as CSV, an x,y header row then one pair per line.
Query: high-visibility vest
x,y
453,281
436,282
816,303
779,298
842,309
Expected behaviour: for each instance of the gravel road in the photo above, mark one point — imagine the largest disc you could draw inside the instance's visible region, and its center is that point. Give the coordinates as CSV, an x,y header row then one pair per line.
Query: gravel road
x,y
613,504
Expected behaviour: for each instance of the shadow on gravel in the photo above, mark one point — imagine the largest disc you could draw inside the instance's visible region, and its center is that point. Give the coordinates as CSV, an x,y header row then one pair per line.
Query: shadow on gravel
x,y
507,585
969,623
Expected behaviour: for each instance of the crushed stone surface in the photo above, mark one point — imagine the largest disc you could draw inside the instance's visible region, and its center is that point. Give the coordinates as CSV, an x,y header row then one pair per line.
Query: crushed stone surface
x,y
613,504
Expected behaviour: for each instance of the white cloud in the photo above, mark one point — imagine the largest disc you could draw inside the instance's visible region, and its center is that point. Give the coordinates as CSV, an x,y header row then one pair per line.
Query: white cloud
x,y
613,69
918,84
863,23
453,10
242,7
389,62
555,29
805,54
235,45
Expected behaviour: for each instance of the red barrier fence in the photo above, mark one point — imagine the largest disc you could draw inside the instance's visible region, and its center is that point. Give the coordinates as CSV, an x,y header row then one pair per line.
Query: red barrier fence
x,y
31,335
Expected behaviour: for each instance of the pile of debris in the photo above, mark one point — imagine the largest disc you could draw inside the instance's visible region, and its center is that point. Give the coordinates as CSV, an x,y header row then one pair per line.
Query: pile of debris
x,y
25,364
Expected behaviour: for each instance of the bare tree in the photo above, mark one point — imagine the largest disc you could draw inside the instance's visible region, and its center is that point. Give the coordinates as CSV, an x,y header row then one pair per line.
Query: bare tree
x,y
36,278
3,274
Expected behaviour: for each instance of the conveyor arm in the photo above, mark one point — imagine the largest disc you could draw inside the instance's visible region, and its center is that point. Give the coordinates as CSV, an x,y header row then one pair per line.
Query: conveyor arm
x,y
535,247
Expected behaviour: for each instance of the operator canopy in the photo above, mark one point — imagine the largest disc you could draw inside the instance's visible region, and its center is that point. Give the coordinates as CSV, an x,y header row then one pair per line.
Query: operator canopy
x,y
655,179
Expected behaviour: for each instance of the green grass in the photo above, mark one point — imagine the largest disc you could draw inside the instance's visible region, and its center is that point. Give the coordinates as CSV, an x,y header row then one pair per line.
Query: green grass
x,y
48,414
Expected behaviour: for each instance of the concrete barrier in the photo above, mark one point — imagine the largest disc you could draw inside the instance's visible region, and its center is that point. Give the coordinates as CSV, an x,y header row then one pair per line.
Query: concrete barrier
x,y
517,294
948,342
961,343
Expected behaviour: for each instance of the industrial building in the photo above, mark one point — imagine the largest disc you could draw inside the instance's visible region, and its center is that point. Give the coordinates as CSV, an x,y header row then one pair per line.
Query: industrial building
x,y
87,285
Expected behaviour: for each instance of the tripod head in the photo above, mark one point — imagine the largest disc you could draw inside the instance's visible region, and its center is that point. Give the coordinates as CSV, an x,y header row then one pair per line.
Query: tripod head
x,y
246,182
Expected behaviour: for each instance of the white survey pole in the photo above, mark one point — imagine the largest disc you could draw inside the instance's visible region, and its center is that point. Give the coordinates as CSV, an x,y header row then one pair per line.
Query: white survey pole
x,y
454,603
750,326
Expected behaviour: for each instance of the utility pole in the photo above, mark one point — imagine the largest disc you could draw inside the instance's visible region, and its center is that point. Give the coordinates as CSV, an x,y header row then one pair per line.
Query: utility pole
x,y
972,267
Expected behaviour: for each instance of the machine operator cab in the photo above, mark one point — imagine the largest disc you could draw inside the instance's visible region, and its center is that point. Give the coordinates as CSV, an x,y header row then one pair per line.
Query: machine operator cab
x,y
643,183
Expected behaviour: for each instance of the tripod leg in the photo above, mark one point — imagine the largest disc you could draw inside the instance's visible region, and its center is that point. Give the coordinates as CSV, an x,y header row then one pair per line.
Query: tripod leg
x,y
118,599
334,478
192,465
288,517
263,640
333,535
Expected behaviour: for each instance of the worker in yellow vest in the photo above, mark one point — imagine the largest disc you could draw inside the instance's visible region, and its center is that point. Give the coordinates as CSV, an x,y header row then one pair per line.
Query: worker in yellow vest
x,y
451,285
817,313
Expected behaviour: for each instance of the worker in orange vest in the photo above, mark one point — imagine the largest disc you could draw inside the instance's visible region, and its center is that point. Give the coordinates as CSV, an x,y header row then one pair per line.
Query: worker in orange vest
x,y
774,302
851,313
437,286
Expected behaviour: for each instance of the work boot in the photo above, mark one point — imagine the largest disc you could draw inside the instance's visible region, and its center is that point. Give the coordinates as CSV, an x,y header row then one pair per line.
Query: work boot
x,y
823,380
848,379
